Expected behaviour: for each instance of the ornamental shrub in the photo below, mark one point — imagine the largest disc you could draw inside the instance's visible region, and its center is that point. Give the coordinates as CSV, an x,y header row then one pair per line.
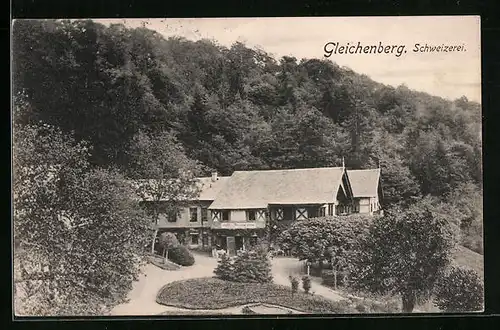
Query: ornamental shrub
x,y
224,269
460,289
181,256
248,266
328,278
252,266
306,283
294,283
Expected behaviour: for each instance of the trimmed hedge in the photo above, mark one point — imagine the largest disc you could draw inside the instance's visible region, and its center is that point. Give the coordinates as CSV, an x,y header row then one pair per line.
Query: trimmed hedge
x,y
222,294
181,256
159,262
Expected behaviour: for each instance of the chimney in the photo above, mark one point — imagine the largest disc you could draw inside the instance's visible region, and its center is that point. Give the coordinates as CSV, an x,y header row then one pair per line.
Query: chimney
x,y
214,176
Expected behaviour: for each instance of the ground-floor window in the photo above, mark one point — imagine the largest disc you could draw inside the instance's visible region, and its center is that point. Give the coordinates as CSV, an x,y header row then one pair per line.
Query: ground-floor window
x,y
205,240
195,239
253,241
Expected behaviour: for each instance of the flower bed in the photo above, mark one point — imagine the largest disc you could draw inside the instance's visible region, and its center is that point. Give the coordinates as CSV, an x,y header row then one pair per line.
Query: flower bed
x,y
213,293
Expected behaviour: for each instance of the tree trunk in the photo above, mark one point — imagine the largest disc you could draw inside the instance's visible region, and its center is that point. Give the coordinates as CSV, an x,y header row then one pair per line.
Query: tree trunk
x,y
153,244
408,301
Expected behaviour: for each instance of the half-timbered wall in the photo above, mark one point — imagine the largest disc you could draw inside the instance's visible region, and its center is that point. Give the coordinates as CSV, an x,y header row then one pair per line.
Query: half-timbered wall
x,y
239,215
185,215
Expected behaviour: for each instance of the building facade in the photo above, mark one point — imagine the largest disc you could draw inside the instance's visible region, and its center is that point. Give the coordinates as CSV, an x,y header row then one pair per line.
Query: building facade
x,y
231,212
192,224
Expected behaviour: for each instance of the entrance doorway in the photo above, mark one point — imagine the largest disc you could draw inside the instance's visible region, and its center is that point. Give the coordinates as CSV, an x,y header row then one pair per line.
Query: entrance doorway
x,y
239,242
221,242
231,245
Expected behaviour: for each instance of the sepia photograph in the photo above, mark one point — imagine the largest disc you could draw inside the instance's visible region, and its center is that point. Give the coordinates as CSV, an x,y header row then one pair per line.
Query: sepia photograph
x,y
247,166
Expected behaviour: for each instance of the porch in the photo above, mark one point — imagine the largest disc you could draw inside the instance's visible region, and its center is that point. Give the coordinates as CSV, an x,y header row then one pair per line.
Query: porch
x,y
231,241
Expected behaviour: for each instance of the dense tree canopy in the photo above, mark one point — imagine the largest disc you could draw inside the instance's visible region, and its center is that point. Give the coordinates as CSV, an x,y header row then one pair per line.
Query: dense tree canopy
x,y
405,251
234,108
79,235
324,239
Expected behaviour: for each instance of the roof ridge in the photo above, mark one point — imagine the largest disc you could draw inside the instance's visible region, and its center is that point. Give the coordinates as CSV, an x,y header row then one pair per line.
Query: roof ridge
x,y
291,169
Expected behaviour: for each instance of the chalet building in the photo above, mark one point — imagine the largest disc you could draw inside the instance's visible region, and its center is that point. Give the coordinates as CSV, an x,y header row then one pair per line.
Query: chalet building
x,y
366,190
249,198
231,212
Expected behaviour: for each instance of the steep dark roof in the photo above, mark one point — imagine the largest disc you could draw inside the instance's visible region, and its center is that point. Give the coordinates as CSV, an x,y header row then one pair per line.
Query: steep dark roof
x,y
258,189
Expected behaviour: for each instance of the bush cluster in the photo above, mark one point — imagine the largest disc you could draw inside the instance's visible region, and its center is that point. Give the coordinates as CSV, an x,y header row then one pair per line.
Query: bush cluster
x,y
248,266
328,278
181,256
160,262
306,283
369,306
460,289
294,283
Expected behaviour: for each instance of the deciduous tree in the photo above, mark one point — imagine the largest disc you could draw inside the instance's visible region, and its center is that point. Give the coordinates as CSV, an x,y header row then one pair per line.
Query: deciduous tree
x,y
404,252
79,235
163,176
327,238
166,242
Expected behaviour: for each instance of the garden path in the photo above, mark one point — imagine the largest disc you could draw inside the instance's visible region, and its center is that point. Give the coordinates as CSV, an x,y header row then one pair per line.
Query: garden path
x,y
142,297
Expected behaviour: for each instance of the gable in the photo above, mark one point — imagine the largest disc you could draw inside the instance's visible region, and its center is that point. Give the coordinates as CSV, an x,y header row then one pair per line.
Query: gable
x,y
364,183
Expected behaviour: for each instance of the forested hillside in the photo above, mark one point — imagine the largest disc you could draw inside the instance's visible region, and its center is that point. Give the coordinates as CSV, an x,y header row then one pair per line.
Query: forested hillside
x,y
238,108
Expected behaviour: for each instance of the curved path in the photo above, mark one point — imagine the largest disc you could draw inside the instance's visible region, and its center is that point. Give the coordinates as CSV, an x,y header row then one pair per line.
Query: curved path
x,y
142,297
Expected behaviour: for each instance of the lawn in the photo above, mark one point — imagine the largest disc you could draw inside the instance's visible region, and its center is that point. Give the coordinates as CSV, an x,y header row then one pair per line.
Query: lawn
x,y
465,257
212,293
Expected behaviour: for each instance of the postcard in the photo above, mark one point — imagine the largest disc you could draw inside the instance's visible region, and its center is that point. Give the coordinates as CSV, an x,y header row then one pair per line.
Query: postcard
x,y
247,166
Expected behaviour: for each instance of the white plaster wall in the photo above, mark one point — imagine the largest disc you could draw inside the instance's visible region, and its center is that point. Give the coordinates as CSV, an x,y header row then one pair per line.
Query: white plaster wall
x,y
238,216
